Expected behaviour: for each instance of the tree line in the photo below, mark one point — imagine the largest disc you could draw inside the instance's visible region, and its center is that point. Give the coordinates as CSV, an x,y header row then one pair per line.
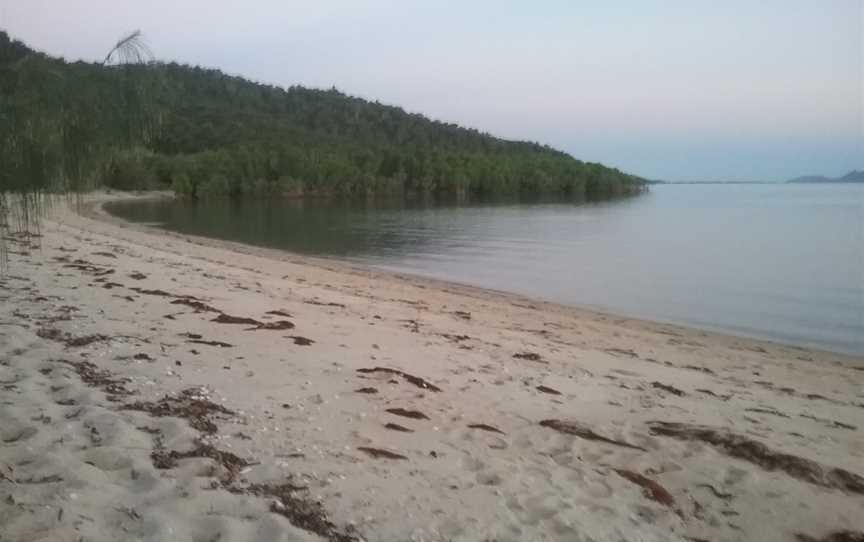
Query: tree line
x,y
200,132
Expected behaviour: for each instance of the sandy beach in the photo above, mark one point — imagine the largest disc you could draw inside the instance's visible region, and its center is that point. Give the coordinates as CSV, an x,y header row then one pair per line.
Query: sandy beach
x,y
155,386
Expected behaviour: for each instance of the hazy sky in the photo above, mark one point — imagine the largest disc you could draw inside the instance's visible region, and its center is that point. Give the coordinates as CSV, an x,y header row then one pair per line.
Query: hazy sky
x,y
670,89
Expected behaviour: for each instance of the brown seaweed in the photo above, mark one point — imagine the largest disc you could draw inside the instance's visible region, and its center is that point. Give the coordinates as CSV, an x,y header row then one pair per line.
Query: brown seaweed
x,y
110,285
416,380
747,449
69,340
195,304
621,352
705,370
414,414
220,344
145,291
324,304
397,427
278,325
836,536
229,319
485,427
829,423
90,374
89,268
304,513
667,388
713,394
379,453
190,405
547,389
581,431
530,356
767,411
164,459
366,390
650,488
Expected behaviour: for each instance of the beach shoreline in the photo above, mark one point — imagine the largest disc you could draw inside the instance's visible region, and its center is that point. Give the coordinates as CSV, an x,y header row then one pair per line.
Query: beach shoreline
x,y
162,386
93,208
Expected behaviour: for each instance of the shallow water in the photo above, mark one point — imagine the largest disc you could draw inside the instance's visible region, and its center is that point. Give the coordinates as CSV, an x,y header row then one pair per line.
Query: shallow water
x,y
781,262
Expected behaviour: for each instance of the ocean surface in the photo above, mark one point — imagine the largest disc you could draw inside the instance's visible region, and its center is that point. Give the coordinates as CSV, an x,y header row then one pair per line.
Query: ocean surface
x,y
780,262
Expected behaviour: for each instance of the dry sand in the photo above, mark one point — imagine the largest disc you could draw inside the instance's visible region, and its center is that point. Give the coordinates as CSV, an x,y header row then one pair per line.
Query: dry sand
x,y
497,417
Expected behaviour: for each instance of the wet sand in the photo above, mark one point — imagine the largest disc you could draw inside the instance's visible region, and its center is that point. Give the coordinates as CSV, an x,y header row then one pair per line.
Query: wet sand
x,y
161,387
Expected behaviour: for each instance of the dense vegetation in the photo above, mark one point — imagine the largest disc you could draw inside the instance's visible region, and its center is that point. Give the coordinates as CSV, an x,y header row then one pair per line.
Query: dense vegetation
x,y
201,132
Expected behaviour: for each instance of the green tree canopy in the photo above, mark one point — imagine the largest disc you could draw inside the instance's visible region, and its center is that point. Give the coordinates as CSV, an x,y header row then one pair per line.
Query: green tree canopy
x,y
200,131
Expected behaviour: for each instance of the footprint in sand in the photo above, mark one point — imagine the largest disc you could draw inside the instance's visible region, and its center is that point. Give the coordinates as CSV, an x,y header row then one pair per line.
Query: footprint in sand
x,y
14,433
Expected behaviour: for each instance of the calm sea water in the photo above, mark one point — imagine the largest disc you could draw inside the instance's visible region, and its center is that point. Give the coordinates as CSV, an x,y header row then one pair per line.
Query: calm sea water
x,y
782,262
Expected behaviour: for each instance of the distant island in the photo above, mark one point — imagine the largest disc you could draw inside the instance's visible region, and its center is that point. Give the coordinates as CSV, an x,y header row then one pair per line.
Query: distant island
x,y
708,182
854,176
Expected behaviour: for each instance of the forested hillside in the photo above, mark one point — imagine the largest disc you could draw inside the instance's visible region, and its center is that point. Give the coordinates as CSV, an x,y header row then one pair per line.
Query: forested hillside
x,y
202,132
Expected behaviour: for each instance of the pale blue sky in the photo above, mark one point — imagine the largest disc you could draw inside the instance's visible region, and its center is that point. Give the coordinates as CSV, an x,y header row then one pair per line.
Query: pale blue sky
x,y
670,89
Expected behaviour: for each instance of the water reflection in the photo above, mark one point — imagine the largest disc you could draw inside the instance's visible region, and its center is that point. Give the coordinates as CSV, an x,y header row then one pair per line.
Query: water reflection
x,y
782,262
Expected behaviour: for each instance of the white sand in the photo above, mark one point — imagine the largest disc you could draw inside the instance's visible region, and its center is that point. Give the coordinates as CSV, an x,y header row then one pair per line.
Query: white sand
x,y
75,465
